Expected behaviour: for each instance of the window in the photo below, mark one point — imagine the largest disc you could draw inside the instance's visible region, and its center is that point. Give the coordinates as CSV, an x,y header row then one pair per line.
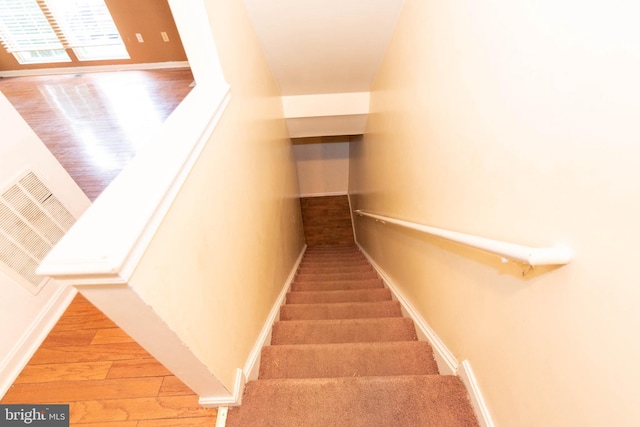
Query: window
x,y
26,32
40,31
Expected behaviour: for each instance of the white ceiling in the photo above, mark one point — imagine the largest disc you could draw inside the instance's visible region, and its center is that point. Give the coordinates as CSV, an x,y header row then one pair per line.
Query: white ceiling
x,y
324,46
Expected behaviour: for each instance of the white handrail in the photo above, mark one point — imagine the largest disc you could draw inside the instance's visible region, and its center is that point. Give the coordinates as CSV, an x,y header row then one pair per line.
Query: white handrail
x,y
557,255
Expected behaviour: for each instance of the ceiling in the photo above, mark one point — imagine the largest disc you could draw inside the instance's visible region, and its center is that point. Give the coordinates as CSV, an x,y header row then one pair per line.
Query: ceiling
x,y
324,46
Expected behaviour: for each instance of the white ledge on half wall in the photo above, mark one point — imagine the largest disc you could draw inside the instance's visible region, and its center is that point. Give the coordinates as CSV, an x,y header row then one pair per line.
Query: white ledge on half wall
x,y
555,255
105,245
326,114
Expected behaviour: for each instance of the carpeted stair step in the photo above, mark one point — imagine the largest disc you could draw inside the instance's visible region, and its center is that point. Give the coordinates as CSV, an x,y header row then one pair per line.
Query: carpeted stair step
x,y
332,277
331,249
358,295
337,285
400,401
343,331
343,310
335,269
333,255
333,263
347,360
335,260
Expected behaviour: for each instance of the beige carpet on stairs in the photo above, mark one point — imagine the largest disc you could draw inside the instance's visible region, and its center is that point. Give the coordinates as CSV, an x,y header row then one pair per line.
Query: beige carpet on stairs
x,y
343,355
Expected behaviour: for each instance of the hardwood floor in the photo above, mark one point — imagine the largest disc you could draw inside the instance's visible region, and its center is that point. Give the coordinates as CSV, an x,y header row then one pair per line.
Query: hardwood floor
x,y
107,379
94,124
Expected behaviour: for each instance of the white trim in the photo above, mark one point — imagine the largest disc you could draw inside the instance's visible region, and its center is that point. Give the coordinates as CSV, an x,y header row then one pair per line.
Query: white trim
x,y
475,396
329,193
553,255
447,362
252,366
234,400
33,337
94,69
353,223
221,419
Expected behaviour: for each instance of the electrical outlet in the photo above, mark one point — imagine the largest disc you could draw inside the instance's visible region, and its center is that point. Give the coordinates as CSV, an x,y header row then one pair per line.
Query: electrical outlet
x,y
165,37
139,37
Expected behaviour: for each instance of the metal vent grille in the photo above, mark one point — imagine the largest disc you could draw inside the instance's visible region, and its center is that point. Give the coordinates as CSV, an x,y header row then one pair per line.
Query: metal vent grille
x,y
32,221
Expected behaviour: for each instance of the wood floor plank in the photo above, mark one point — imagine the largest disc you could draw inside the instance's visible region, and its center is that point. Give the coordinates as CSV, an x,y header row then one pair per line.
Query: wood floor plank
x,y
108,424
71,391
76,354
179,422
82,308
99,322
172,386
149,408
111,336
137,368
58,338
63,372
87,321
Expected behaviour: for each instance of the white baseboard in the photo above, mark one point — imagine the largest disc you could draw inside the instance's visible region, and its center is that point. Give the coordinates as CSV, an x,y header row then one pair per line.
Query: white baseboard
x,y
33,337
252,366
447,362
353,223
475,396
221,419
234,400
94,69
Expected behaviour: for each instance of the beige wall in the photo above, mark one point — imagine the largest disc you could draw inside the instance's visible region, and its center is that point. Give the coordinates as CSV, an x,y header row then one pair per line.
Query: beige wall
x,y
147,17
515,120
225,249
323,169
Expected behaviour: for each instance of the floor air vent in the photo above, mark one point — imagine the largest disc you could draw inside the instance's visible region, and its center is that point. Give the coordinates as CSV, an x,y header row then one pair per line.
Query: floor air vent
x,y
32,221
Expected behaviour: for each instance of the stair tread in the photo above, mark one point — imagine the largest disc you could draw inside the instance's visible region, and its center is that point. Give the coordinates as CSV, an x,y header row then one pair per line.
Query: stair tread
x,y
332,250
331,276
343,330
334,269
334,257
337,285
347,360
424,400
342,310
334,263
355,295
325,257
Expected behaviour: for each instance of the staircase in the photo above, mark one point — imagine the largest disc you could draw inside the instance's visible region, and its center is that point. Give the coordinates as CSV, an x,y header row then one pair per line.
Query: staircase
x,y
343,355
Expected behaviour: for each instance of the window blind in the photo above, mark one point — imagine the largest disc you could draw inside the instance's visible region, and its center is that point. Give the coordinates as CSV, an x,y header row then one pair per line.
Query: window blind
x,y
24,27
40,30
84,23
